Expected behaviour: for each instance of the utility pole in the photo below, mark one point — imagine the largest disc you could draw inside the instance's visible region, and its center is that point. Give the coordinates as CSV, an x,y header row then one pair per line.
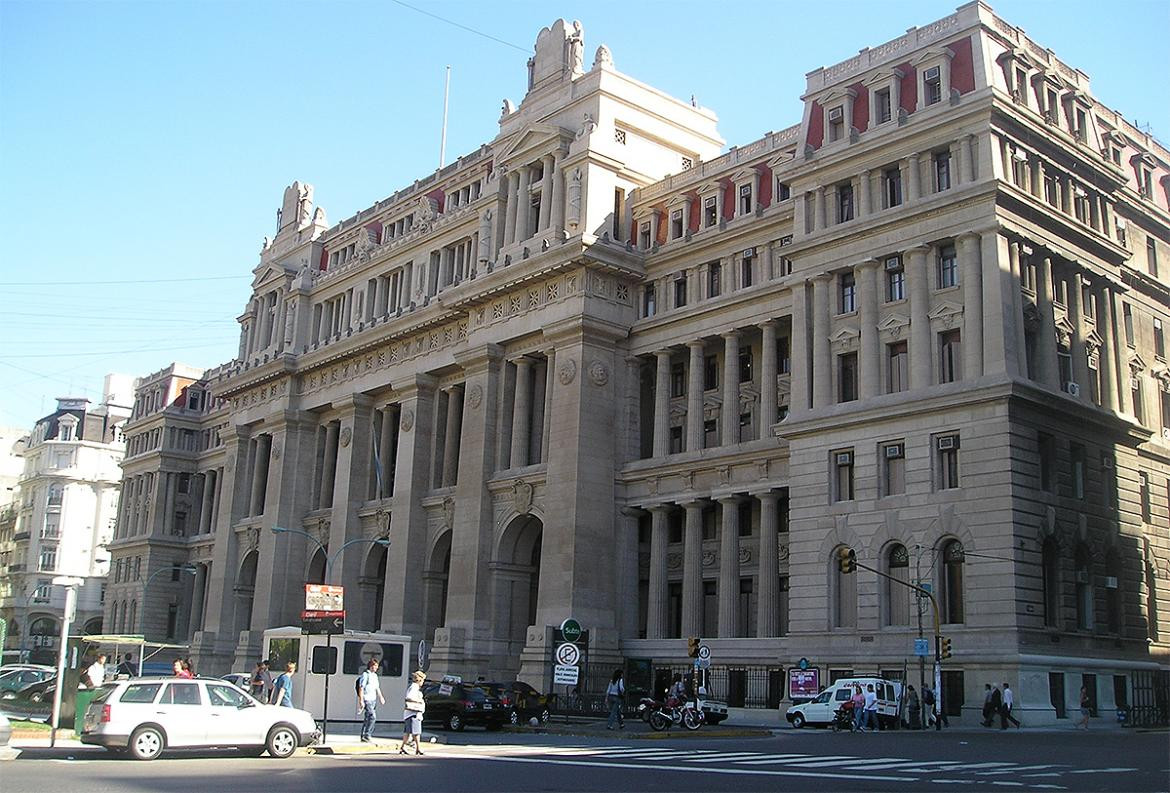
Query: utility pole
x,y
918,608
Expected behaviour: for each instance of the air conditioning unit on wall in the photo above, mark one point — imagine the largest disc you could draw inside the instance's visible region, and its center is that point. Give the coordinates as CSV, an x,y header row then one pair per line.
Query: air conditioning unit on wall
x,y
894,451
948,442
1073,389
844,458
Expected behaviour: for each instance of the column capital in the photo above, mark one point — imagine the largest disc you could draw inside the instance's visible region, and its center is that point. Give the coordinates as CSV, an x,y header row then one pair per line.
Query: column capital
x,y
663,353
415,384
522,360
352,403
632,511
768,323
694,503
732,334
868,263
821,278
734,498
294,419
697,344
475,359
662,507
766,495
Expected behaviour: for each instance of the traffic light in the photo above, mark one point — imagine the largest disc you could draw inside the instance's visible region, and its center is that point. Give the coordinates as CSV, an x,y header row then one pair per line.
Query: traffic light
x,y
945,648
693,647
848,560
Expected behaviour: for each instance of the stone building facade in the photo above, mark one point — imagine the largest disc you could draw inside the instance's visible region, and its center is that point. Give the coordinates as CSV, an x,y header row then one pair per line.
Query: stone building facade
x,y
598,369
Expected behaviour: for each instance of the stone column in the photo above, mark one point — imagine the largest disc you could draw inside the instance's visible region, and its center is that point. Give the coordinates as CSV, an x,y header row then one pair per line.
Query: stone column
x,y
729,568
821,212
1016,280
550,371
971,277
1000,322
863,194
870,357
521,414
730,409
329,468
692,594
913,173
355,425
260,474
822,379
798,350
1047,371
558,196
626,551
695,396
1076,317
197,593
767,377
546,180
918,275
1120,353
386,450
207,497
768,608
168,511
1107,357
524,207
451,436
662,404
656,613
513,197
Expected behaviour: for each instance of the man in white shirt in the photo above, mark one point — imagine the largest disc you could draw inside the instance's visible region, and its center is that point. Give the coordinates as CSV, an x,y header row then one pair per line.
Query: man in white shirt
x,y
96,672
1005,708
369,690
870,709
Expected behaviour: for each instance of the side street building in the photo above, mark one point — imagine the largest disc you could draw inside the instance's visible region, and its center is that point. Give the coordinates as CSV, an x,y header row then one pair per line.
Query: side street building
x,y
598,368
62,519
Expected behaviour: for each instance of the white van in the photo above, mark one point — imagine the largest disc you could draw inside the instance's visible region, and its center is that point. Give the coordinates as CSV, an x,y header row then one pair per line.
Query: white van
x,y
354,649
819,711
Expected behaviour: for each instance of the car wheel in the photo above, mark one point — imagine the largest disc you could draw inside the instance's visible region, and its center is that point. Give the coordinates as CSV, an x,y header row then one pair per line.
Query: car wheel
x,y
513,717
146,743
36,696
455,722
282,741
545,715
798,721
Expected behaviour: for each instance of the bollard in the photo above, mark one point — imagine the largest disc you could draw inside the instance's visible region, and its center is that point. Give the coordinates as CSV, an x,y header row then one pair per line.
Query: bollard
x,y
6,751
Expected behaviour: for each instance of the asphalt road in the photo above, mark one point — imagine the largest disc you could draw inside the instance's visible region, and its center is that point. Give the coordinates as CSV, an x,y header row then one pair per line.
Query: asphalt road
x,y
476,761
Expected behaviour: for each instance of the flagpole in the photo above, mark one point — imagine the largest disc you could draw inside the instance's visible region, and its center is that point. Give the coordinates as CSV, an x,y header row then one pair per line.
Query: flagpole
x,y
446,96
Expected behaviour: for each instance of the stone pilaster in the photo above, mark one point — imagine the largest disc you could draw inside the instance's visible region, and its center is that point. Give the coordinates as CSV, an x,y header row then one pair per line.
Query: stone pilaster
x,y
692,595
729,413
866,275
971,277
767,378
662,403
695,396
918,275
355,425
799,377
768,574
656,613
821,366
1047,371
729,568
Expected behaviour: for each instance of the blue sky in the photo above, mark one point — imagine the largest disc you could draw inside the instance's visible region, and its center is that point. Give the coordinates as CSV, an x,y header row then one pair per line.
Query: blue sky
x,y
142,142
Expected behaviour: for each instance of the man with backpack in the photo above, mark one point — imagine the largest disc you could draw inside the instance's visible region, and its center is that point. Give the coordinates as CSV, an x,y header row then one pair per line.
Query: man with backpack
x,y
369,696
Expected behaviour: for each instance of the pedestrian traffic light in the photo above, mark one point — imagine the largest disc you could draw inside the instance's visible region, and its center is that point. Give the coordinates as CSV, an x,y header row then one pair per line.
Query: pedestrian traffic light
x,y
848,560
693,647
945,649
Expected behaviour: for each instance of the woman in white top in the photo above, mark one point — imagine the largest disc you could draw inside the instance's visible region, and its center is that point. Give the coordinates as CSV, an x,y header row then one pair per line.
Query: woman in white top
x,y
615,692
412,715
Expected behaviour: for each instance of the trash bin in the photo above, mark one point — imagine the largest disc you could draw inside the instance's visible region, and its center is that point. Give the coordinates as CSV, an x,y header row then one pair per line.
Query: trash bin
x,y
84,697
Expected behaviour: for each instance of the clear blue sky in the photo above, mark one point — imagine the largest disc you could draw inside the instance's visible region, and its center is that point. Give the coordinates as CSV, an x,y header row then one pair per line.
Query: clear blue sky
x,y
153,140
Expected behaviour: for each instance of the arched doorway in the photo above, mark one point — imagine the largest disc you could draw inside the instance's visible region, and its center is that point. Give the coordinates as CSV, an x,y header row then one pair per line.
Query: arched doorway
x,y
516,574
316,572
42,636
93,627
435,580
245,591
373,588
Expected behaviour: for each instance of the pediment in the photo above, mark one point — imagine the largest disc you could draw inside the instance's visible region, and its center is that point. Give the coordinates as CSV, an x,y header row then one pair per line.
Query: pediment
x,y
1093,339
881,77
1145,158
835,94
1137,364
932,54
844,338
271,272
781,159
678,201
533,138
711,186
946,309
893,322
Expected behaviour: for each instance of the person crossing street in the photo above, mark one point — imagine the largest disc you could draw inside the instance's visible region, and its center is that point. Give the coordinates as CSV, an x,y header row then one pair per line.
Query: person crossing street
x,y
369,696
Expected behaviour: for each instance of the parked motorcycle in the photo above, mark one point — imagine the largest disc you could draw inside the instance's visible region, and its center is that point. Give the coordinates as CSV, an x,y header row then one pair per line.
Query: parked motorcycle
x,y
662,716
843,718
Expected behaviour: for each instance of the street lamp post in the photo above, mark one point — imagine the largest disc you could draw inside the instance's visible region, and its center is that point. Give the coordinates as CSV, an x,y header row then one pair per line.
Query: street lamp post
x,y
185,568
71,583
329,560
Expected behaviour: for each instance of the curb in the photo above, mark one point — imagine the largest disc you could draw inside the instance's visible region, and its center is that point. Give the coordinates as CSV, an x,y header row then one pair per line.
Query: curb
x,y
726,732
358,748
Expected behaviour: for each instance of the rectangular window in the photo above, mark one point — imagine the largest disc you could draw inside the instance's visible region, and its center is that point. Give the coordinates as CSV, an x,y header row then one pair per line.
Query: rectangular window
x,y
942,171
745,199
895,279
893,468
1050,189
844,202
48,559
644,236
948,267
847,377
1077,457
892,186
746,433
710,373
1127,321
648,300
843,475
680,292
745,272
836,118
847,294
783,355
932,85
714,279
948,461
899,367
783,191
1144,496
710,211
676,224
950,356
710,434
1135,390
745,366
1046,445
1159,339
678,380
882,107
676,440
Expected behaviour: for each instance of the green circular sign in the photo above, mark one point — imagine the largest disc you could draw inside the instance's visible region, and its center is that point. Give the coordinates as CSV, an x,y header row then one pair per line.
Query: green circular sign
x,y
804,663
571,630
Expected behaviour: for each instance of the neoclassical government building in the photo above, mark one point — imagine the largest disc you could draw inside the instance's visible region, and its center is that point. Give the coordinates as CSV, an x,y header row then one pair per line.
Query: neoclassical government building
x,y
602,368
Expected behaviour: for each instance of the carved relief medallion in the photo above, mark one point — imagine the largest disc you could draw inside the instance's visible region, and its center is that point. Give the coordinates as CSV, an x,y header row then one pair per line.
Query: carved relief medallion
x,y
407,420
475,396
598,373
345,437
522,496
567,372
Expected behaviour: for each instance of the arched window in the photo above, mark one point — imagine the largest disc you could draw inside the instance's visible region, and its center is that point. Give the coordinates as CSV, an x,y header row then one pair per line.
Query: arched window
x,y
844,594
132,626
1084,589
1050,572
1113,613
952,582
898,596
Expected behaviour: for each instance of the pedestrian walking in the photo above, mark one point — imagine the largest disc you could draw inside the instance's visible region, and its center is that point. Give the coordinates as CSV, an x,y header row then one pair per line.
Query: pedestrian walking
x,y
615,693
369,696
987,704
256,684
282,690
994,707
870,708
412,715
96,672
1085,709
857,706
914,708
181,669
1005,708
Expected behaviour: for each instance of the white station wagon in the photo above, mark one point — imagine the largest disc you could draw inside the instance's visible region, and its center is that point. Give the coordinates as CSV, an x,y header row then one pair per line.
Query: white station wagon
x,y
147,715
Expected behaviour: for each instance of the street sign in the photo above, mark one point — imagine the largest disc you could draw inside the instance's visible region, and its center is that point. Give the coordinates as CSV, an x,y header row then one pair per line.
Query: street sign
x,y
803,663
324,597
565,675
424,654
922,647
925,585
703,663
322,623
324,661
704,652
568,655
571,630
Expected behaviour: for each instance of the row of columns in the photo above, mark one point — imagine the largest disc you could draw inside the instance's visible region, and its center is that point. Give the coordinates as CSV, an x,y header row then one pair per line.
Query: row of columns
x,y
135,504
768,572
1030,173
265,330
518,221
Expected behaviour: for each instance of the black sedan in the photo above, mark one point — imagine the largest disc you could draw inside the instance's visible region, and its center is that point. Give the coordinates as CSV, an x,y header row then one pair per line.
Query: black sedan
x,y
456,705
522,701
